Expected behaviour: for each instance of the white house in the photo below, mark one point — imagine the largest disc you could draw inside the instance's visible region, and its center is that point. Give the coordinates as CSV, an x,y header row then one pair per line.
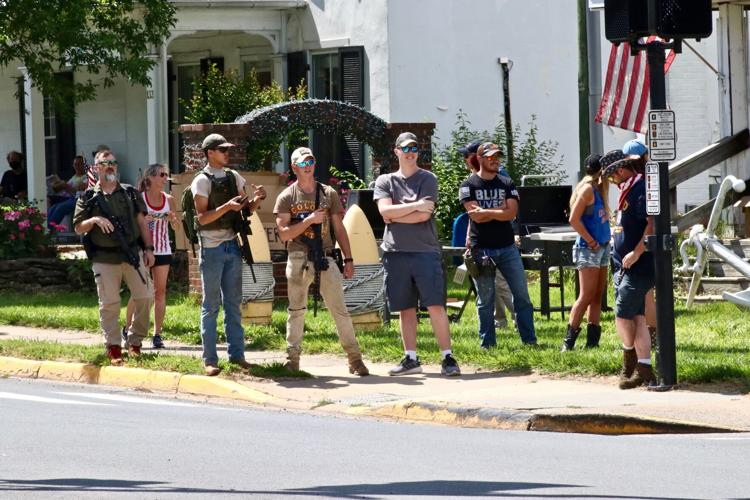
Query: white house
x,y
404,60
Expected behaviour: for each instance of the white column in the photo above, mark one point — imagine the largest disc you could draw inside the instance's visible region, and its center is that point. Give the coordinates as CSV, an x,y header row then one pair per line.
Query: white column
x,y
152,112
163,106
36,163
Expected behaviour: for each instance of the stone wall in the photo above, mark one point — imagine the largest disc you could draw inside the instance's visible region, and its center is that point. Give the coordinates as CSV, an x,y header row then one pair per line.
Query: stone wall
x,y
49,274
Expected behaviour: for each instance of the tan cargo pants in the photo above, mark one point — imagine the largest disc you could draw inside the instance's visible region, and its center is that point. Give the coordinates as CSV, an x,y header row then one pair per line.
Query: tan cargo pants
x,y
300,274
108,278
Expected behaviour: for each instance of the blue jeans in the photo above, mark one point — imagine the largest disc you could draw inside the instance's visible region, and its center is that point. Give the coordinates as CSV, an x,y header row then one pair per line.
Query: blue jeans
x,y
221,273
508,262
59,210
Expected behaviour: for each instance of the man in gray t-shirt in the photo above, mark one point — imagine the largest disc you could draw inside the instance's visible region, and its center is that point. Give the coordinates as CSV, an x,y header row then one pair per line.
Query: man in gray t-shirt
x,y
412,261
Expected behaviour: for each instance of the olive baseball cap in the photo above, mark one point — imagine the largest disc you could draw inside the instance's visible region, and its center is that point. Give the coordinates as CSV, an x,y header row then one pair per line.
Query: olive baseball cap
x,y
213,141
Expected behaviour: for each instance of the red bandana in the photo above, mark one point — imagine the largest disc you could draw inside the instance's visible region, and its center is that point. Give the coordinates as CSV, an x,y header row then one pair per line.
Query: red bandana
x,y
625,188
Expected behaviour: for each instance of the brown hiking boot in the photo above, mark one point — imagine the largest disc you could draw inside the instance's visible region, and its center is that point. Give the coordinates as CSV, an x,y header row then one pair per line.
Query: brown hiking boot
x,y
114,353
357,367
292,365
134,351
643,375
243,363
629,360
211,370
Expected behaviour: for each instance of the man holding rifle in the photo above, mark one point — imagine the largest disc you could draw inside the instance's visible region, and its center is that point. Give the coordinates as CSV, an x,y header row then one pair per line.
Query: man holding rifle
x,y
110,216
219,197
306,214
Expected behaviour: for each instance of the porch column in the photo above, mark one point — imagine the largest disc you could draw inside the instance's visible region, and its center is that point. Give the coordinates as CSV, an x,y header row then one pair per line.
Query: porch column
x,y
156,108
733,89
36,163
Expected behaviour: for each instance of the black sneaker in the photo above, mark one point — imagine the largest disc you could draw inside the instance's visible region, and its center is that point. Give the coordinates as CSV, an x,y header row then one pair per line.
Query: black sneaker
x,y
407,366
450,367
156,341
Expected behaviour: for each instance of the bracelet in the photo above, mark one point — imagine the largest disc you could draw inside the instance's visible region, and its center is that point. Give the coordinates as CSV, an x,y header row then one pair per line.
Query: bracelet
x,y
149,247
348,259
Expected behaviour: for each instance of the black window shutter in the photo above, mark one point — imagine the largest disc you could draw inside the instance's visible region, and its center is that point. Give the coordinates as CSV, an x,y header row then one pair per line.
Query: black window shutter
x,y
296,69
208,61
352,71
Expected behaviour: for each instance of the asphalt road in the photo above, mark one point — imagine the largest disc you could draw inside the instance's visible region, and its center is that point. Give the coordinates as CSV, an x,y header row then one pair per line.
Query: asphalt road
x,y
72,441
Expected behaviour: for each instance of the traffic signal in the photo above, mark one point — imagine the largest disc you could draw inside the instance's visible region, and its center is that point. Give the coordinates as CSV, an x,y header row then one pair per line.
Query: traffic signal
x,y
628,20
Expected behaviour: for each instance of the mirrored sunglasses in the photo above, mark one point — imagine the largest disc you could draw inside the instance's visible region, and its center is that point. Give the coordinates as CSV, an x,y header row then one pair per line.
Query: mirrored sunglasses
x,y
107,162
407,149
305,163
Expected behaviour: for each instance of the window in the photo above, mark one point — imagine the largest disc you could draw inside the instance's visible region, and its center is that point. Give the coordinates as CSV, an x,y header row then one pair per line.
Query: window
x,y
263,70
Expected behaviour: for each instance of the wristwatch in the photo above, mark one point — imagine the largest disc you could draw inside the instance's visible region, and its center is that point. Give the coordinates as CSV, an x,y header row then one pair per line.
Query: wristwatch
x,y
149,247
348,259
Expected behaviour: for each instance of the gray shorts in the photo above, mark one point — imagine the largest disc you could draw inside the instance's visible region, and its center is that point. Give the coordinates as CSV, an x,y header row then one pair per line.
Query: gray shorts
x,y
410,276
586,257
630,294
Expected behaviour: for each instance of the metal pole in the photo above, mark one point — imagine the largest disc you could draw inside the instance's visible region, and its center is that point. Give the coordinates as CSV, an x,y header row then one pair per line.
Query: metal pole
x,y
584,139
506,64
661,244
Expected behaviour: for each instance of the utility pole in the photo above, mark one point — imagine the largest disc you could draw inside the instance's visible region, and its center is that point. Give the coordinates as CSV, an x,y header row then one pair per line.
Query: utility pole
x,y
506,65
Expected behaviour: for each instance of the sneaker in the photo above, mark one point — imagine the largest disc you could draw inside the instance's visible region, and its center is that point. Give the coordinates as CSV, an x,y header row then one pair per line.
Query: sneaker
x,y
450,367
211,370
134,351
114,353
357,367
407,366
157,342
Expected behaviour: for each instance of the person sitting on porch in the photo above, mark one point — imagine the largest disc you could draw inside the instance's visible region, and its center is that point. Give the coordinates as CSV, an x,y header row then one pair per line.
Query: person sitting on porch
x,y
13,186
65,193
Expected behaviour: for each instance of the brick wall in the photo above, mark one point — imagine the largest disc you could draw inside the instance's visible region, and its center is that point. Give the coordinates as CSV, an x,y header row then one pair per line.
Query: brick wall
x,y
424,133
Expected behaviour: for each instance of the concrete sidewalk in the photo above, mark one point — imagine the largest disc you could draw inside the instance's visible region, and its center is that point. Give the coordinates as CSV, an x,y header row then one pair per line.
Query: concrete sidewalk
x,y
477,398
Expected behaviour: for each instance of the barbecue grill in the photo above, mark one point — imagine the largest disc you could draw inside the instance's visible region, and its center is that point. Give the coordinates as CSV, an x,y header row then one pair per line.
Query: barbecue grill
x,y
546,237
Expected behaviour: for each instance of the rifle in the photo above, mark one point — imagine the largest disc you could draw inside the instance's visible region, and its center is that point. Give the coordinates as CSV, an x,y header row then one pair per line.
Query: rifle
x,y
121,234
315,253
243,230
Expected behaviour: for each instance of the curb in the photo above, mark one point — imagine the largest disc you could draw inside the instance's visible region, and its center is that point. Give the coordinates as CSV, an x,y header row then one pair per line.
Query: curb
x,y
585,423
136,378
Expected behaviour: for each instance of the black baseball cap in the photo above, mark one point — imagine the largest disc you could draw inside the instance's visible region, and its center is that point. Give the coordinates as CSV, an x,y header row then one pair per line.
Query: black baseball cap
x,y
470,148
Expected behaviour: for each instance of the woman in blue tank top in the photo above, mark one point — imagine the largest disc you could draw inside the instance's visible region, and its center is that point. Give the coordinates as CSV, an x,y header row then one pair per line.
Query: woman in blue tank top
x,y
589,216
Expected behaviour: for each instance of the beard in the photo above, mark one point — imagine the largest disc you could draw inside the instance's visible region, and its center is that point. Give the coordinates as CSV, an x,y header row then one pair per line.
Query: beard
x,y
111,177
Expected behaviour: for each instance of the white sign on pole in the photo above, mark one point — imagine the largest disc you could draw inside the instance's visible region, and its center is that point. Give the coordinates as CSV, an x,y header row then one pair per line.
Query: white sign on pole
x,y
652,188
661,135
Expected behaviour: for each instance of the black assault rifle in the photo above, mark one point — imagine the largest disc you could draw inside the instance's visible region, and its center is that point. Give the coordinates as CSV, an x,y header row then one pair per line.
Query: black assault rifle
x,y
315,253
121,234
243,230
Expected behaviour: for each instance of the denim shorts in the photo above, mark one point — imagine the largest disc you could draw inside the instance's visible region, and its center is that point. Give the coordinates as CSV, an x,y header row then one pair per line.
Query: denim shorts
x,y
585,257
630,294
413,275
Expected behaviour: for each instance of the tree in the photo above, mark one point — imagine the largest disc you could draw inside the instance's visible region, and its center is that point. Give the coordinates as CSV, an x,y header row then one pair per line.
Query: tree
x,y
106,38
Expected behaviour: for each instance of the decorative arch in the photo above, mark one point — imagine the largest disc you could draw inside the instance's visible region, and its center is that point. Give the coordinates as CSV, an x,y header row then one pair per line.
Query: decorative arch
x,y
273,123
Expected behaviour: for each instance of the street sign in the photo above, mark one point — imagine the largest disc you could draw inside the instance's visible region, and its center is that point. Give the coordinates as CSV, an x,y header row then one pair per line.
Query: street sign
x,y
661,135
652,188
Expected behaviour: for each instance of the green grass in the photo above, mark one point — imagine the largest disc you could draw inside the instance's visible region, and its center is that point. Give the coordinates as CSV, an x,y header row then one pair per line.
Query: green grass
x,y
55,351
712,339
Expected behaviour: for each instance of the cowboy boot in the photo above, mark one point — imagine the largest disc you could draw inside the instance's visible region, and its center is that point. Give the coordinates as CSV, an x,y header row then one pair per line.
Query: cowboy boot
x,y
643,375
629,361
570,339
593,334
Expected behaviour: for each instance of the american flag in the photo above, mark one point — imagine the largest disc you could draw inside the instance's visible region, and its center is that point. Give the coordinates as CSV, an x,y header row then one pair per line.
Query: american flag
x,y
626,89
90,175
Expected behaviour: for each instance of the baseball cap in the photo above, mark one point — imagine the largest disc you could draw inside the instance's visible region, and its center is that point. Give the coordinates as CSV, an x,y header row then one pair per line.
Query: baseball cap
x,y
488,149
469,148
405,139
634,148
213,141
300,154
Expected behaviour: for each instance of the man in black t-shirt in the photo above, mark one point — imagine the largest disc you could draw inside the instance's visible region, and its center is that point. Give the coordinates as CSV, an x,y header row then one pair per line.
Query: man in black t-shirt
x,y
633,271
492,203
13,186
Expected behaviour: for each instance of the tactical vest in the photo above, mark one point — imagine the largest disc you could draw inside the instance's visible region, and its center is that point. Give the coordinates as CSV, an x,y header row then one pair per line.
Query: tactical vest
x,y
222,190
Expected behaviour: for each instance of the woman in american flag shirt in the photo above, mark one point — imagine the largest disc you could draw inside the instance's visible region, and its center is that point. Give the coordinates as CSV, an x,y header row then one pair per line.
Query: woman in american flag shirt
x,y
161,212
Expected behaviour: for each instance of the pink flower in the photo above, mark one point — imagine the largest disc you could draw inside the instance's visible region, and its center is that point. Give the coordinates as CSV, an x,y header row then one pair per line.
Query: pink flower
x,y
333,180
61,227
37,227
12,215
24,224
31,210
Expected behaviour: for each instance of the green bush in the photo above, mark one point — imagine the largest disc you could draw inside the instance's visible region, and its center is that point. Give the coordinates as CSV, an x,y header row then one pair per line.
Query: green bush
x,y
221,97
531,157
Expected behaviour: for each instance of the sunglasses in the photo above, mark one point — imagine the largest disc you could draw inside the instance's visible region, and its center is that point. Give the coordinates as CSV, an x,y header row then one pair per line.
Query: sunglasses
x,y
107,162
305,163
496,156
406,149
161,174
222,149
